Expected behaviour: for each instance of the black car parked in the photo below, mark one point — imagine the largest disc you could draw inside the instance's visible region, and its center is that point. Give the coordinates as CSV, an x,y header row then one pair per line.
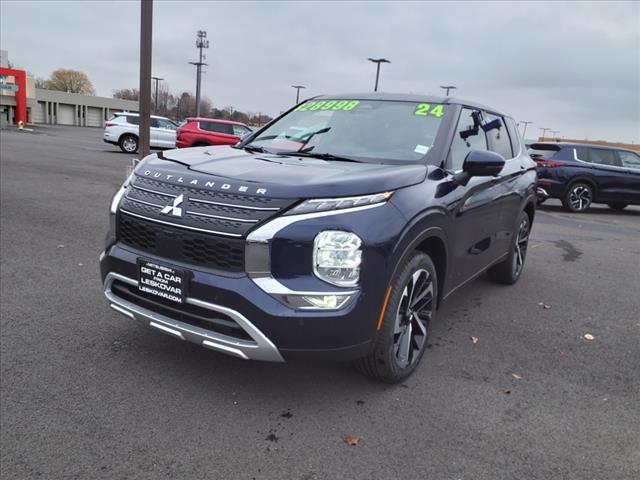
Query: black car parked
x,y
335,231
580,174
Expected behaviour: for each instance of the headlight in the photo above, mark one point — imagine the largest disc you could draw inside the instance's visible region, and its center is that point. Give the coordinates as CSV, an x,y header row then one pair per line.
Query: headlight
x,y
337,257
324,204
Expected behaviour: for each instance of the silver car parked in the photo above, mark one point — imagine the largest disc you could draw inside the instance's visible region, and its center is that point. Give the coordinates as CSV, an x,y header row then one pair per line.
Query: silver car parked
x,y
122,129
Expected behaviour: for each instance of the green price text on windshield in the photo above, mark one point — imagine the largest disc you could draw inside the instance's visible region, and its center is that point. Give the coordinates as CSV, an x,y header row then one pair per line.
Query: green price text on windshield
x,y
341,105
424,109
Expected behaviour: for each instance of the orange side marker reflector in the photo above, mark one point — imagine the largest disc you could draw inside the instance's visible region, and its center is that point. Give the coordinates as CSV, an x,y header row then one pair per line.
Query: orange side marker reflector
x,y
384,307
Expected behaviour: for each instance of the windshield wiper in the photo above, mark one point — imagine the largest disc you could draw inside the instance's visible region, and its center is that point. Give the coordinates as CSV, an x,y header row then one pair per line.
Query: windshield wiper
x,y
321,156
255,149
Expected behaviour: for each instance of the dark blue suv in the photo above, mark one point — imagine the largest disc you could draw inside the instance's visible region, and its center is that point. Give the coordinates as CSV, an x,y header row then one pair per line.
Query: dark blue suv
x,y
581,174
335,231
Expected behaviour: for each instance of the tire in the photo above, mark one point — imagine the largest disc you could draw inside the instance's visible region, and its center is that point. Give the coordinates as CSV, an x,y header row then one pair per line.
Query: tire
x,y
578,198
509,270
404,332
128,143
617,206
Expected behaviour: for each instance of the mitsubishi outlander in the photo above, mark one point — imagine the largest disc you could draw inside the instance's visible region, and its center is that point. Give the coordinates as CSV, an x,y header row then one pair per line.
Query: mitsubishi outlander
x,y
333,232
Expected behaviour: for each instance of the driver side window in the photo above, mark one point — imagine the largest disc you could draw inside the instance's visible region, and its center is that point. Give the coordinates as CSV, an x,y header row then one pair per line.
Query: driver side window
x,y
461,146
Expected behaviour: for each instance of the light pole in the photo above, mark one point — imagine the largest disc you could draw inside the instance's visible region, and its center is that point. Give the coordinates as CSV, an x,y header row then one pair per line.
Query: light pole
x,y
544,130
554,132
157,80
146,31
525,123
298,88
378,61
201,43
448,87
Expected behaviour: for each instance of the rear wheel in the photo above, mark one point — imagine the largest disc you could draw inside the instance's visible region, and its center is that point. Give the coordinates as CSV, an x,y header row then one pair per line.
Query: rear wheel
x,y
406,323
128,143
578,198
617,206
509,270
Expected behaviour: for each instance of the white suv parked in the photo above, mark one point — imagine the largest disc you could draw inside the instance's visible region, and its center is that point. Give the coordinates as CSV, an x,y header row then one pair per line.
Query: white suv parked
x,y
122,130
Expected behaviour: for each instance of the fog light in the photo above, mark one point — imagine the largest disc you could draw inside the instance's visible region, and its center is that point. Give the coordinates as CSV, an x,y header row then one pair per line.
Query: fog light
x,y
317,302
337,257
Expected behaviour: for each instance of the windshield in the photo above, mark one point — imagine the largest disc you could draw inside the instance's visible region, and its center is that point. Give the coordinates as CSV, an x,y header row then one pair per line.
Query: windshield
x,y
366,130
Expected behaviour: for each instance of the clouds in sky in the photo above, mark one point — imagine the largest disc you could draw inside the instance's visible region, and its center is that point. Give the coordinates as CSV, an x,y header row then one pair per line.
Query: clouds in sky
x,y
573,67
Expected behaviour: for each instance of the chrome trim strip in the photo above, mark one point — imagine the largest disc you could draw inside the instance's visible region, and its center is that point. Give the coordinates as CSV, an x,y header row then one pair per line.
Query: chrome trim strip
x,y
143,202
165,329
153,191
220,204
116,200
268,230
225,349
243,220
260,348
273,286
235,235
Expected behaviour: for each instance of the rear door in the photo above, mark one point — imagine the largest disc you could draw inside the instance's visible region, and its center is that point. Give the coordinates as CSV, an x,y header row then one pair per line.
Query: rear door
x,y
219,133
167,133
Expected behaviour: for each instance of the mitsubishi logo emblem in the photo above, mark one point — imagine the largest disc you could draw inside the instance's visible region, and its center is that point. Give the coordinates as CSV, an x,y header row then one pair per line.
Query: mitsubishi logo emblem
x,y
174,208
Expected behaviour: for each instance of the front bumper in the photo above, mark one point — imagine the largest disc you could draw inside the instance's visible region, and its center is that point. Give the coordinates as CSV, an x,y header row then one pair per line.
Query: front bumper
x,y
258,348
270,330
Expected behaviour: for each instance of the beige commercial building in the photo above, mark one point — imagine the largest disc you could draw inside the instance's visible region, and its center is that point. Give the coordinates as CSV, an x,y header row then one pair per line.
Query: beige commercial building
x,y
62,108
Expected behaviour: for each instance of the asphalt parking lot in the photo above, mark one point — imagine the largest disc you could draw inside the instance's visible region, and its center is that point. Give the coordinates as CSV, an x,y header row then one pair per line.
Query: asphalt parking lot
x,y
85,393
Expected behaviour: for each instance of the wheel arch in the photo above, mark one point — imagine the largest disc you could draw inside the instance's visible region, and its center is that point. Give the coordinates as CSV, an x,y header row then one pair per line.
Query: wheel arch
x,y
432,241
128,134
582,179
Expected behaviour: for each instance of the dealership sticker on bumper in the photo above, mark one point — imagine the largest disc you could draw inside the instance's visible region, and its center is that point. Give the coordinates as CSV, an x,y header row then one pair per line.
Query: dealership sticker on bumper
x,y
161,281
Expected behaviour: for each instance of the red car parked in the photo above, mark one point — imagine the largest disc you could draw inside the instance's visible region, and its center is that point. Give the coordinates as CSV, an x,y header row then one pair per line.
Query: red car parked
x,y
199,132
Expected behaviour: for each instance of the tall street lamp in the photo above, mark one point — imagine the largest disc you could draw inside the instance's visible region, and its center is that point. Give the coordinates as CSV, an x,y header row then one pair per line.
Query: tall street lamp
x,y
378,61
298,88
544,130
525,123
157,80
448,87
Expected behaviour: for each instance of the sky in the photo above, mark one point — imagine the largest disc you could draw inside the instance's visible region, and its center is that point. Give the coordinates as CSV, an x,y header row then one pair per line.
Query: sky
x,y
572,67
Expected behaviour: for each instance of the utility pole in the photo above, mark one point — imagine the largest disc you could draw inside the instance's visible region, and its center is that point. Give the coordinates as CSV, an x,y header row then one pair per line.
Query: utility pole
x,y
298,88
525,123
201,43
544,130
146,30
447,88
378,61
156,79
554,132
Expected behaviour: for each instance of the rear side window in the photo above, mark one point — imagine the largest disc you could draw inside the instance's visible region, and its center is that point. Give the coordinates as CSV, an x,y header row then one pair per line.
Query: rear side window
x,y
133,120
216,127
604,157
499,137
582,153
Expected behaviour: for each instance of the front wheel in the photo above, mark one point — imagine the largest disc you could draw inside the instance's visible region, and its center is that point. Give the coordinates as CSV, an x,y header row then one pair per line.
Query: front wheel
x,y
578,198
509,270
406,322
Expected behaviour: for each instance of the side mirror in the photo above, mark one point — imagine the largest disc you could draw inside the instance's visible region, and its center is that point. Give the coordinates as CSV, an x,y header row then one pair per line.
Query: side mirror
x,y
482,163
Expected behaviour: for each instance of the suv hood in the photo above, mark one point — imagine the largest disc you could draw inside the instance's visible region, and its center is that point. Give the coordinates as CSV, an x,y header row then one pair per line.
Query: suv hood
x,y
232,170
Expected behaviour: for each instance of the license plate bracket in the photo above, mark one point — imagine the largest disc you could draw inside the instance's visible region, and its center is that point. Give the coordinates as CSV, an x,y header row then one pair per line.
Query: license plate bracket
x,y
161,280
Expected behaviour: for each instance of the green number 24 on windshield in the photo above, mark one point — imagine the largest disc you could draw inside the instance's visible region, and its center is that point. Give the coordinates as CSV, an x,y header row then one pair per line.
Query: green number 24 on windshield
x,y
424,109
